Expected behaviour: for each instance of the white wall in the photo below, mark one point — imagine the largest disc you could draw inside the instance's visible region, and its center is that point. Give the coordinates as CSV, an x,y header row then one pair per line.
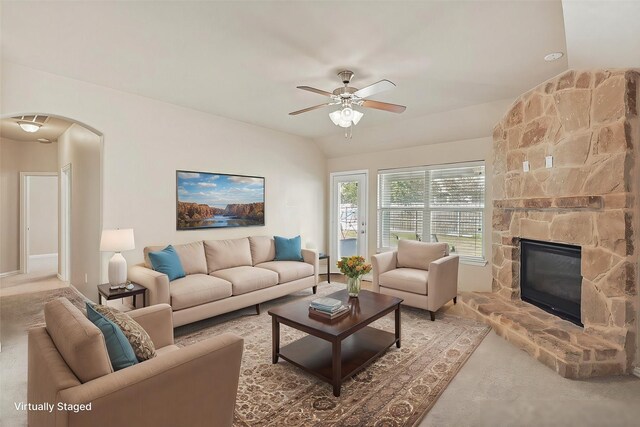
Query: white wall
x,y
145,141
43,215
16,157
81,148
471,277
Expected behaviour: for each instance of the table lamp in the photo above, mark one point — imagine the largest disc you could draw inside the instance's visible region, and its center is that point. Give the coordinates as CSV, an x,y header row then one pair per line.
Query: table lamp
x,y
117,241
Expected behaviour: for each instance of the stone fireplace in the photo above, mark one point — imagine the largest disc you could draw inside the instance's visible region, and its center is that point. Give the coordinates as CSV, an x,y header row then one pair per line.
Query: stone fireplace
x,y
587,121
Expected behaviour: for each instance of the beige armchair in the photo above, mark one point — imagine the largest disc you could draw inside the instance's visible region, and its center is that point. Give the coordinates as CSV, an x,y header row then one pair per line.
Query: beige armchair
x,y
423,274
69,365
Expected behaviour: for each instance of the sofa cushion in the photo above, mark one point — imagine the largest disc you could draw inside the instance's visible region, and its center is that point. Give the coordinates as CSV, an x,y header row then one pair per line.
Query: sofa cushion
x,y
247,279
263,249
223,254
288,271
119,348
138,338
168,262
288,249
405,279
196,289
412,254
191,257
79,342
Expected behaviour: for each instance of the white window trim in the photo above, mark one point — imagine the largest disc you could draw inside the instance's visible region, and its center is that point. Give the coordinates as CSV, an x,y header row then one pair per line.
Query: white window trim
x,y
468,260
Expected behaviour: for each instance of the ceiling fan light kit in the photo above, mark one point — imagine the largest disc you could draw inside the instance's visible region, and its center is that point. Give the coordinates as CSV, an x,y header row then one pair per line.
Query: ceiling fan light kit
x,y
348,97
30,127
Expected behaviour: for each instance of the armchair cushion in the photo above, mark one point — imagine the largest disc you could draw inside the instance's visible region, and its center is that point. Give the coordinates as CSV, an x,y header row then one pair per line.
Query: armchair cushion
x,y
412,254
80,342
136,335
405,279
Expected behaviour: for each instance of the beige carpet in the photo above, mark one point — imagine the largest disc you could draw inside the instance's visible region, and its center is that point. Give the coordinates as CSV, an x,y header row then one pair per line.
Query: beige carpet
x,y
397,390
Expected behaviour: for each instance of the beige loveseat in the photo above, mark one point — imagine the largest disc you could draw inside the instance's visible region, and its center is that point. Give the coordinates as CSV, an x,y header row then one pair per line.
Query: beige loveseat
x,y
69,366
423,274
225,275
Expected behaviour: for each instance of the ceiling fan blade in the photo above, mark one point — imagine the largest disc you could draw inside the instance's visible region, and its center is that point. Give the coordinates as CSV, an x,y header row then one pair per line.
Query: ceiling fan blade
x,y
314,90
394,108
378,87
315,107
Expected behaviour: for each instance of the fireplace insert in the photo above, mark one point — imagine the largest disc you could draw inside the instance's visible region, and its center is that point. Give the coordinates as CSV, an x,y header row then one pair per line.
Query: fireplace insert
x,y
550,278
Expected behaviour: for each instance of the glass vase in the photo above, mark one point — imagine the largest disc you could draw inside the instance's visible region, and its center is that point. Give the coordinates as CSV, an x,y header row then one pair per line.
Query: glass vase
x,y
353,286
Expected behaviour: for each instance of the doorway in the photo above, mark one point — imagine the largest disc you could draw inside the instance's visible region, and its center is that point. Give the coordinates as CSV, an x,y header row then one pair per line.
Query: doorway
x,y
39,222
349,214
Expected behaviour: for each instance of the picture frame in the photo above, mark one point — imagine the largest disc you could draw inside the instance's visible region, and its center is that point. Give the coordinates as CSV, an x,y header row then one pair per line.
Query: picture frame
x,y
218,200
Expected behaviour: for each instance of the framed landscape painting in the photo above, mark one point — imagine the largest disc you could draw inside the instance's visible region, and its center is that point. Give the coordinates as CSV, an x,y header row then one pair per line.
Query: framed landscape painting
x,y
216,200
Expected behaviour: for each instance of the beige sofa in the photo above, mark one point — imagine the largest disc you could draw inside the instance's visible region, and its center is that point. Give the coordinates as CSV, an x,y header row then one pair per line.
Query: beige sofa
x,y
423,274
225,275
69,365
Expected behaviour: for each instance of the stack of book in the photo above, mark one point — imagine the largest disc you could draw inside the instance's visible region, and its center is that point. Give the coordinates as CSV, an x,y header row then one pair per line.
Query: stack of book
x,y
327,308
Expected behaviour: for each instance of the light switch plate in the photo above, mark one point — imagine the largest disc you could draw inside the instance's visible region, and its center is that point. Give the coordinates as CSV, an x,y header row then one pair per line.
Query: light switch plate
x,y
525,166
548,162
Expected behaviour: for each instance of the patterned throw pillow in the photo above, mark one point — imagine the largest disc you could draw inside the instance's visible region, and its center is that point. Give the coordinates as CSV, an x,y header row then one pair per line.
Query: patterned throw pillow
x,y
138,338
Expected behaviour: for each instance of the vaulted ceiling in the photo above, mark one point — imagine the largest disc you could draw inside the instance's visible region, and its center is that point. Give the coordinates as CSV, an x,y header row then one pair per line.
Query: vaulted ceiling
x,y
457,64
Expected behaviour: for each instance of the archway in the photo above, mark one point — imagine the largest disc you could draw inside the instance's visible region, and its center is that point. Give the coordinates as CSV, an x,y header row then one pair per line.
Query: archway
x,y
79,166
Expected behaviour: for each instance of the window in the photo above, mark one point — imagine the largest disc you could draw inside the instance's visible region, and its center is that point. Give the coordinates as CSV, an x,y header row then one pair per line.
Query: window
x,y
434,204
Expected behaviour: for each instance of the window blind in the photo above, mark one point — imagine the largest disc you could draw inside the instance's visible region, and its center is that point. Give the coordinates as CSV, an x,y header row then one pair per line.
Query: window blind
x,y
436,204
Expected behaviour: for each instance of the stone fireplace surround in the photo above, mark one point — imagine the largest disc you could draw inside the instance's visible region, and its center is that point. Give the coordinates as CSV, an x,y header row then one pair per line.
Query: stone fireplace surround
x,y
588,121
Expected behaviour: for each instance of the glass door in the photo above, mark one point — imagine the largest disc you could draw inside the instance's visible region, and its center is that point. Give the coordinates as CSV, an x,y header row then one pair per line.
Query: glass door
x,y
348,215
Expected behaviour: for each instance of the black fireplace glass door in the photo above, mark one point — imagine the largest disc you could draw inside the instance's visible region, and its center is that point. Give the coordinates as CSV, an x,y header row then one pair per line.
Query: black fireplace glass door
x,y
550,277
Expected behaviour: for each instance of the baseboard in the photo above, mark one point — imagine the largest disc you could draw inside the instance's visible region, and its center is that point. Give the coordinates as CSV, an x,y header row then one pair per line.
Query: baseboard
x,y
53,255
636,371
59,276
9,273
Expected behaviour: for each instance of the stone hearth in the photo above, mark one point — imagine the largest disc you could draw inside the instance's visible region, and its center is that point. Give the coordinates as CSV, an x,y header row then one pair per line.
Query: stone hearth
x,y
588,121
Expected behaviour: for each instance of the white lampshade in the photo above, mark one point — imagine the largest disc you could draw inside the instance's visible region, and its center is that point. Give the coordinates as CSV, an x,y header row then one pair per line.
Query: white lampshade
x,y
357,115
335,117
345,117
117,240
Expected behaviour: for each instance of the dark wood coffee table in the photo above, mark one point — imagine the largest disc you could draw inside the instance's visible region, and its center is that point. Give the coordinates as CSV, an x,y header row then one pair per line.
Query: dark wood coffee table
x,y
336,349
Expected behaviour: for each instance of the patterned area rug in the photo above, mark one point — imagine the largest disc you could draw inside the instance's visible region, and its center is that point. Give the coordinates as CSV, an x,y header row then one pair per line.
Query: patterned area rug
x,y
396,390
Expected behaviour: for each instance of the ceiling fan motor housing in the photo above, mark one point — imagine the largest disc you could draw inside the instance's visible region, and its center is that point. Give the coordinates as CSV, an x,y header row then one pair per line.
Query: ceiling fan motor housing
x,y
345,76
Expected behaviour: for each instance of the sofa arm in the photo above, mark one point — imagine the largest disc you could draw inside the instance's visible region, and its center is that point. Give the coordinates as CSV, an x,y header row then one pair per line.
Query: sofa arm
x,y
311,257
157,284
157,320
381,263
443,281
193,386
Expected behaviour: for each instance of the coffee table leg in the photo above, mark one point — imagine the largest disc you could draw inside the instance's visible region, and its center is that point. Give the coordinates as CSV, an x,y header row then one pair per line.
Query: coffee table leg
x,y
398,332
337,367
275,346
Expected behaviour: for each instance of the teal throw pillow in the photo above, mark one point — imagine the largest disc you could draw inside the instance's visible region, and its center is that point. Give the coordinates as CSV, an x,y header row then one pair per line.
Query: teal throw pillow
x,y
120,351
167,261
288,249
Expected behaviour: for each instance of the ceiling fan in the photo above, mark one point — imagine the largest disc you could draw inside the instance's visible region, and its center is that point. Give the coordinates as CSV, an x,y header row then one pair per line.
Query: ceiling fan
x,y
347,97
